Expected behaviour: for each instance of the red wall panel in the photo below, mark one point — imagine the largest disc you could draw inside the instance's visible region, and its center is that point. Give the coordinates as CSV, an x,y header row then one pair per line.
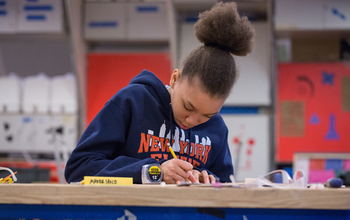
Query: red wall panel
x,y
108,73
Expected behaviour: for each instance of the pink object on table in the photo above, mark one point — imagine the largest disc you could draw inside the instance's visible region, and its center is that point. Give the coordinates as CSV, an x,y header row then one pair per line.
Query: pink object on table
x,y
320,176
346,164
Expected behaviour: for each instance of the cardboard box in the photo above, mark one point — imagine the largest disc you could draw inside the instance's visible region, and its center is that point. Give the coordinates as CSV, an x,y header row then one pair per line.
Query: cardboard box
x,y
316,50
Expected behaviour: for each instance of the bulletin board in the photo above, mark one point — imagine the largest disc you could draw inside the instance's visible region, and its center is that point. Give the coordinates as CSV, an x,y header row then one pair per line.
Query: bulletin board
x,y
110,72
313,109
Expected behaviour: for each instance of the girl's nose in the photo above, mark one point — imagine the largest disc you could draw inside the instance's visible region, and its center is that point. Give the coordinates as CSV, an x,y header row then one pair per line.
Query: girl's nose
x,y
192,119
195,119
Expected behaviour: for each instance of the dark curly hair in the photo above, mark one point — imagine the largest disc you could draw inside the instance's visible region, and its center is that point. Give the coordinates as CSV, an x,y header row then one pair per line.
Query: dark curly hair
x,y
223,33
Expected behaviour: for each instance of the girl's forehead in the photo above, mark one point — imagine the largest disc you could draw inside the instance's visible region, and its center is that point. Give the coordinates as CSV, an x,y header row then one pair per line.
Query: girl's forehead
x,y
195,93
192,83
196,86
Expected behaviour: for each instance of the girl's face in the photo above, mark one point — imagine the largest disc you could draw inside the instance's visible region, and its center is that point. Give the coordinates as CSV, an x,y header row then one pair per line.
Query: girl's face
x,y
191,105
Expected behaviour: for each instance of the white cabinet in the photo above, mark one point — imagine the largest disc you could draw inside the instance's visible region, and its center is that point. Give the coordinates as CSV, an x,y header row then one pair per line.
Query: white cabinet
x,y
8,16
40,117
40,16
298,14
36,94
337,14
9,94
126,21
38,133
105,21
23,16
312,14
147,21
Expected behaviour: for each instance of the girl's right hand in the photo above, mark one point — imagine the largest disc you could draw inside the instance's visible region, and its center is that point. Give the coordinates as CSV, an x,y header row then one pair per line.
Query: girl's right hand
x,y
176,170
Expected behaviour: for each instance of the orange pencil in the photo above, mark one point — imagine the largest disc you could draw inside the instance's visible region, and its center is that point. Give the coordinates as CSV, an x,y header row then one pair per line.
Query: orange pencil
x,y
9,175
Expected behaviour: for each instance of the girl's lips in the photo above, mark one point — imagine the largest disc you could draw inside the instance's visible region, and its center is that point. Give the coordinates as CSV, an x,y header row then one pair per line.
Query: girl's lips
x,y
183,126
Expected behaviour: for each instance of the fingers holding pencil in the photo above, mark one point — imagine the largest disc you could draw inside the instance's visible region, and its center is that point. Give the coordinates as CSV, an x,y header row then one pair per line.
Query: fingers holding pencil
x,y
176,169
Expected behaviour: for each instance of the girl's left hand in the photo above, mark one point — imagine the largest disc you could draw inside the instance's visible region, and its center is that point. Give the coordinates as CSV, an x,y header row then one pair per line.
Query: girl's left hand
x,y
202,177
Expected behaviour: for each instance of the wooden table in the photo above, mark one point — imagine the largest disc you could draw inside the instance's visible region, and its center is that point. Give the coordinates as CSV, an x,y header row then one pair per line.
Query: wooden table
x,y
47,201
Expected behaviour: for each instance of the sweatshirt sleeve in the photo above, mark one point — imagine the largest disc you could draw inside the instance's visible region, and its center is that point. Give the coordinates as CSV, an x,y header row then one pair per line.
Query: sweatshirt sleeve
x,y
222,166
98,150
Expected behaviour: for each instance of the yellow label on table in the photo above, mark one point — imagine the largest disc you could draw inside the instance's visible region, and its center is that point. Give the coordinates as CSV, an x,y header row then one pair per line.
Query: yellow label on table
x,y
101,180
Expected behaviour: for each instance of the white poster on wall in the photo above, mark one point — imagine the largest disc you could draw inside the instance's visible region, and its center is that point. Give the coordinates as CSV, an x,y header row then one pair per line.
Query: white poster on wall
x,y
248,140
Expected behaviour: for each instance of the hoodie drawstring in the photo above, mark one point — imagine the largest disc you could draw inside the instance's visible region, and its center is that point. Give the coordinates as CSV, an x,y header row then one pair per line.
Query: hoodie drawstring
x,y
171,124
171,130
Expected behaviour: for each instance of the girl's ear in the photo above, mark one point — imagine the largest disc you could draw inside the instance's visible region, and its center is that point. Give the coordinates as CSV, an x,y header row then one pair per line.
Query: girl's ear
x,y
175,76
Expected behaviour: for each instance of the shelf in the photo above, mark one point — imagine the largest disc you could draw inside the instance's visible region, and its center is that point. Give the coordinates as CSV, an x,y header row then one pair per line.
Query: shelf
x,y
34,36
254,9
129,46
307,34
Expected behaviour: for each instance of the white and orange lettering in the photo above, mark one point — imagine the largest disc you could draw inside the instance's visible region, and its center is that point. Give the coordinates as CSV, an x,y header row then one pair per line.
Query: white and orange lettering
x,y
199,151
206,153
144,143
155,144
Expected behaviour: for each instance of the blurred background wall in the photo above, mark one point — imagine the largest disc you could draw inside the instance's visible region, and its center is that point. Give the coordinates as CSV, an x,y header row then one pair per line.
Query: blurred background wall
x,y
61,60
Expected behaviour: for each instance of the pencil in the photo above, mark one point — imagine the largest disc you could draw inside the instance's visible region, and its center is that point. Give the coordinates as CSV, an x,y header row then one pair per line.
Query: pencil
x,y
171,151
9,176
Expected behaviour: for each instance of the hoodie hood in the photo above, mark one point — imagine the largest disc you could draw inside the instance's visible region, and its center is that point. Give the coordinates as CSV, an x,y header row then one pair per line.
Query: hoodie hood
x,y
159,91
155,86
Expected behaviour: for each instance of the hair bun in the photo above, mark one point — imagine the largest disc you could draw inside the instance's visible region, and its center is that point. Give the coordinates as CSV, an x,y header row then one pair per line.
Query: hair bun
x,y
223,26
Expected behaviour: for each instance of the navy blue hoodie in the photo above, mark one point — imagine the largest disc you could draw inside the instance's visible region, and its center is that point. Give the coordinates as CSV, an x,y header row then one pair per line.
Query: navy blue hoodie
x,y
133,129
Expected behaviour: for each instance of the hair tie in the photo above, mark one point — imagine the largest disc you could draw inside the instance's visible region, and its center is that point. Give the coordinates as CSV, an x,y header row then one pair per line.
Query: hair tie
x,y
221,47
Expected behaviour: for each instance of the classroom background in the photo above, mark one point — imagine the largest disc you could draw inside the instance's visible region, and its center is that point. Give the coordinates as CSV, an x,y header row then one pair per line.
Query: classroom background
x,y
61,60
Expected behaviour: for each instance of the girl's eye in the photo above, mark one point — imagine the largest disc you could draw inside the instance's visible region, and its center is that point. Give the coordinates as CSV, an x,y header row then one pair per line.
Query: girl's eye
x,y
186,108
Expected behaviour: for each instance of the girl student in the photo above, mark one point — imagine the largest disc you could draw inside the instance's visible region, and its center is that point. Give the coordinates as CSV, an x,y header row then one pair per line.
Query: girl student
x,y
136,124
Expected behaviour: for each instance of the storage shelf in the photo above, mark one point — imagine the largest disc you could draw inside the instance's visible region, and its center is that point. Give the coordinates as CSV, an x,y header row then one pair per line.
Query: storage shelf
x,y
295,33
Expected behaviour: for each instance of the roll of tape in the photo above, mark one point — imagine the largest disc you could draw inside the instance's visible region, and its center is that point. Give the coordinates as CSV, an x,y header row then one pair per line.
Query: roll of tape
x,y
151,173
